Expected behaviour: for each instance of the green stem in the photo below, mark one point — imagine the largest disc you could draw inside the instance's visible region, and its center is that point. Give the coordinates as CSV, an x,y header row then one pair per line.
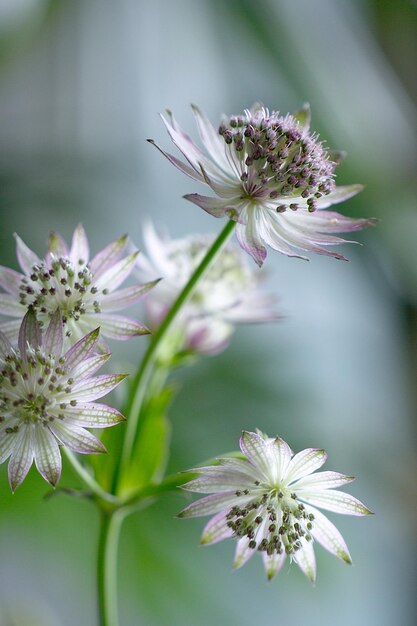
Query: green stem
x,y
144,373
110,524
88,480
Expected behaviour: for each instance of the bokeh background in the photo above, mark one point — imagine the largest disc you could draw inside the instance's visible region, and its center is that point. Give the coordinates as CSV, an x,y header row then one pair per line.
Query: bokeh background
x,y
81,83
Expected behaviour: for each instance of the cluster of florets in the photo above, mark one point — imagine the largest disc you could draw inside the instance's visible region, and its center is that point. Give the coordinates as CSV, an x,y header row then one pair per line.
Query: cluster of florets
x,y
279,158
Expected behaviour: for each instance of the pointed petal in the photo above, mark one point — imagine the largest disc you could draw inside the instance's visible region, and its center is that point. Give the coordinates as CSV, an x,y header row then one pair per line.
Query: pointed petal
x,y
223,481
213,504
328,536
93,388
81,350
10,280
107,257
118,326
306,560
9,305
331,222
273,563
57,245
271,456
183,167
116,274
305,462
54,336
5,346
339,194
215,206
30,333
248,238
211,139
92,415
47,455
26,257
243,553
7,442
22,456
89,366
303,116
336,501
124,298
80,251
76,438
11,329
323,480
216,529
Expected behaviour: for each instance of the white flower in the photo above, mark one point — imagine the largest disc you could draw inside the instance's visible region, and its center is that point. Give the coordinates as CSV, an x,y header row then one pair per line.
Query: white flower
x,y
46,398
268,502
227,295
85,291
272,176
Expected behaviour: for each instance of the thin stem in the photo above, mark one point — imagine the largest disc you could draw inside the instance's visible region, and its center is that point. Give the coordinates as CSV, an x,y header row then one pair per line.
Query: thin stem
x,y
88,480
110,524
144,373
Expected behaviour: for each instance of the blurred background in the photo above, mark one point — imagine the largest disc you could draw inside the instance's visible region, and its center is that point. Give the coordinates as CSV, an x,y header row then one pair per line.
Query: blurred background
x,y
81,84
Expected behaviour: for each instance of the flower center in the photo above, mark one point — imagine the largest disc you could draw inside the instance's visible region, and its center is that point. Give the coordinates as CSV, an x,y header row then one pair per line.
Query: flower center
x,y
276,158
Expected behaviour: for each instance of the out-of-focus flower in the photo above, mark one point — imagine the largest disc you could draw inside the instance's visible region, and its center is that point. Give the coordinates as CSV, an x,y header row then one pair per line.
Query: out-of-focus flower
x,y
227,295
47,398
85,291
272,176
268,502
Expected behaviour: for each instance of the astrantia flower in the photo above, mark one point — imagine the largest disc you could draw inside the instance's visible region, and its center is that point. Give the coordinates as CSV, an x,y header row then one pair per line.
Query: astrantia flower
x,y
47,398
85,291
228,294
268,502
272,176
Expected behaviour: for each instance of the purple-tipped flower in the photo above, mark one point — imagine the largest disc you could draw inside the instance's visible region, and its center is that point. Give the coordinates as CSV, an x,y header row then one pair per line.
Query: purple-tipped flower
x,y
268,503
228,294
47,398
85,291
272,176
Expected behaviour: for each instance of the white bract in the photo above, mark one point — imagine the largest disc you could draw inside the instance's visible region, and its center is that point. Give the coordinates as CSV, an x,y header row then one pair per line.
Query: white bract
x,y
272,176
47,398
85,291
228,294
268,503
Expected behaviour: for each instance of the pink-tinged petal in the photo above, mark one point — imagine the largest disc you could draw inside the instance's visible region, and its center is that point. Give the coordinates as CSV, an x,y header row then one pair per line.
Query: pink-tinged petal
x,y
57,246
54,336
271,456
305,462
332,222
273,563
335,501
11,329
219,482
22,455
5,345
47,455
124,298
248,238
81,350
76,438
215,206
80,251
209,505
328,536
256,307
183,167
303,116
107,257
243,553
306,240
26,257
91,415
10,306
7,442
10,280
269,232
89,366
211,139
339,194
119,326
247,473
306,560
216,530
323,480
93,388
116,274
30,333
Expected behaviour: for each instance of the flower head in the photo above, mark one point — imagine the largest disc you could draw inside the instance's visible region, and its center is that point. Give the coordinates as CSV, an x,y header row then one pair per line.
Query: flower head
x,y
272,176
268,502
85,291
228,294
46,398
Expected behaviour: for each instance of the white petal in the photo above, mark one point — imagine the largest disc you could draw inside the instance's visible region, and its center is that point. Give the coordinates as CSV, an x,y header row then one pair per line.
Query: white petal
x,y
213,504
215,206
10,280
47,455
216,529
273,563
328,536
7,442
22,456
54,336
106,258
339,195
124,298
223,481
80,252
248,238
306,560
271,456
91,415
76,438
323,480
243,553
304,463
81,350
117,326
92,388
116,274
336,501
5,345
57,246
26,257
183,167
90,365
211,139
